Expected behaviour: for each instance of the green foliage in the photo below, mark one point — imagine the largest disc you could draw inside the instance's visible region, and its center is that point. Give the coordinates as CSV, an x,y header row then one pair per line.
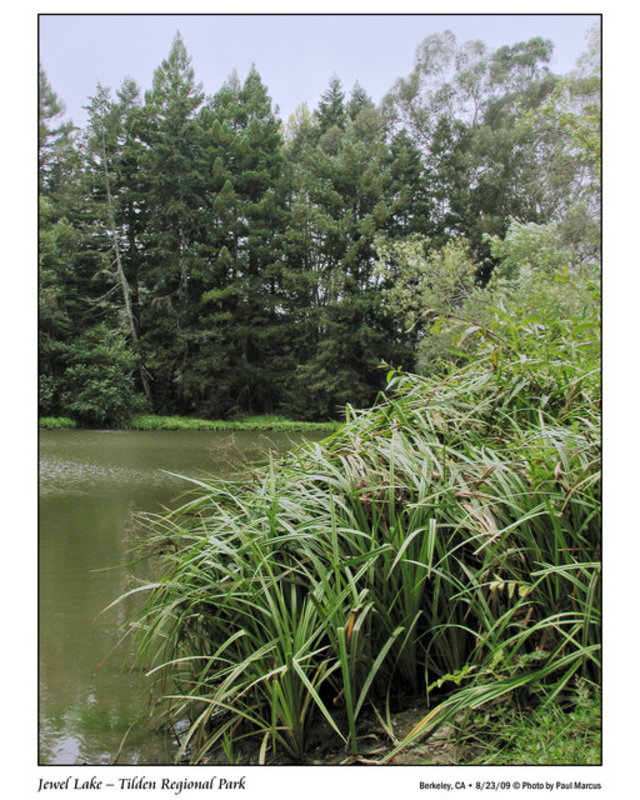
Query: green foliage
x,y
346,186
55,423
420,283
537,278
46,393
55,140
152,422
558,734
575,108
502,138
331,112
240,258
566,126
98,387
531,247
444,542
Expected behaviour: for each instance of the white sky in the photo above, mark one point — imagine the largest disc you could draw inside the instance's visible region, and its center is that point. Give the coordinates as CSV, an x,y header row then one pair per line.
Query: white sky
x,y
296,55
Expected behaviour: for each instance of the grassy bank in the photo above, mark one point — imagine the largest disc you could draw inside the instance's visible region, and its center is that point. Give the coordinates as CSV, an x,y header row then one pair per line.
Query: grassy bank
x,y
443,545
56,423
269,422
154,422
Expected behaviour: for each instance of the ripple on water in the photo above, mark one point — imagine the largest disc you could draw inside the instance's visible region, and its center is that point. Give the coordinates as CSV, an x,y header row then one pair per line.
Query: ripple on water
x,y
59,477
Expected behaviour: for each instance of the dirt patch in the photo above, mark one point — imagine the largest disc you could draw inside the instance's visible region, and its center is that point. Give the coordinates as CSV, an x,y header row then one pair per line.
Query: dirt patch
x,y
375,741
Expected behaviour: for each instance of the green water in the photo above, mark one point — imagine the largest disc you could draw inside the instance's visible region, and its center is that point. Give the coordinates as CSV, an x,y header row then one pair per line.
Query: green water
x,y
92,709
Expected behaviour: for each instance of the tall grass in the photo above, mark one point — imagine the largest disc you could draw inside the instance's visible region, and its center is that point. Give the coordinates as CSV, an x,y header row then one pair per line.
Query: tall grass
x,y
445,543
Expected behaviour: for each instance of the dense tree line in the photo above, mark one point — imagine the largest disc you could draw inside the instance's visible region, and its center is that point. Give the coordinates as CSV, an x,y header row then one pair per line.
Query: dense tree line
x,y
199,257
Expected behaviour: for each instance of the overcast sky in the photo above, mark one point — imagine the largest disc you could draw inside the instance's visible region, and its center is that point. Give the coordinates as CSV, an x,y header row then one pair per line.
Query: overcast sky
x,y
296,55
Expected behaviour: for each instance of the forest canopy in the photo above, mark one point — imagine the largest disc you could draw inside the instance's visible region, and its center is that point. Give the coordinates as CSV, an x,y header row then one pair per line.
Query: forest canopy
x,y
200,256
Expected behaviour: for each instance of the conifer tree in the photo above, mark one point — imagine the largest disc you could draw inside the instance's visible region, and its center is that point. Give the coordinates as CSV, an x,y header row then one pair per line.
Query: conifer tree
x,y
174,176
238,331
59,291
358,101
111,189
331,109
56,156
342,197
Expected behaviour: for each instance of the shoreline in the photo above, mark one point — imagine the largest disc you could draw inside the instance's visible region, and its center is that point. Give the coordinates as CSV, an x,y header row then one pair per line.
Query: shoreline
x,y
153,422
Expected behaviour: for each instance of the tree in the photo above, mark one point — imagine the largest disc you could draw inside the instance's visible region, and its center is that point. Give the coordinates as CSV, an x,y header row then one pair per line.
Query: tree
x,y
342,193
106,141
173,169
331,110
411,189
416,103
300,130
60,275
56,155
421,283
358,101
234,346
56,256
460,107
567,129
98,385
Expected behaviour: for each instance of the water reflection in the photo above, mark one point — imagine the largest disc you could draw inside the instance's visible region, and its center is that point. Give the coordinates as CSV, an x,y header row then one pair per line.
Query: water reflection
x,y
92,709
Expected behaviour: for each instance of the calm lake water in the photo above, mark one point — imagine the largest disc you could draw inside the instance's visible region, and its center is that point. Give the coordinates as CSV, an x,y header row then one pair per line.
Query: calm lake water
x,y
92,707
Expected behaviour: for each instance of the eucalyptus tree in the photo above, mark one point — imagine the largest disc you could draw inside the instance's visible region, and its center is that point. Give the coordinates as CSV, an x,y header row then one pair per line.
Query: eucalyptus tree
x,y
461,107
567,129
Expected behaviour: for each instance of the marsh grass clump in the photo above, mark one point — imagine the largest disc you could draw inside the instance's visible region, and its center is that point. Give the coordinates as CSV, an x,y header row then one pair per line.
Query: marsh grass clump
x,y
443,544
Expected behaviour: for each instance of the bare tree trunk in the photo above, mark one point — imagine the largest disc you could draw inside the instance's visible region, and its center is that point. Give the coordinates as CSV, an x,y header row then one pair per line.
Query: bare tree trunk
x,y
122,278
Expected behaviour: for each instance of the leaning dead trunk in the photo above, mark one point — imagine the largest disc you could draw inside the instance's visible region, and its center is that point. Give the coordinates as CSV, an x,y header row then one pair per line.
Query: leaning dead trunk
x,y
122,279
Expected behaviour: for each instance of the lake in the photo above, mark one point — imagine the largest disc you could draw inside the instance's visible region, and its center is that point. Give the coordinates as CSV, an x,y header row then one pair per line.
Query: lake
x,y
92,709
